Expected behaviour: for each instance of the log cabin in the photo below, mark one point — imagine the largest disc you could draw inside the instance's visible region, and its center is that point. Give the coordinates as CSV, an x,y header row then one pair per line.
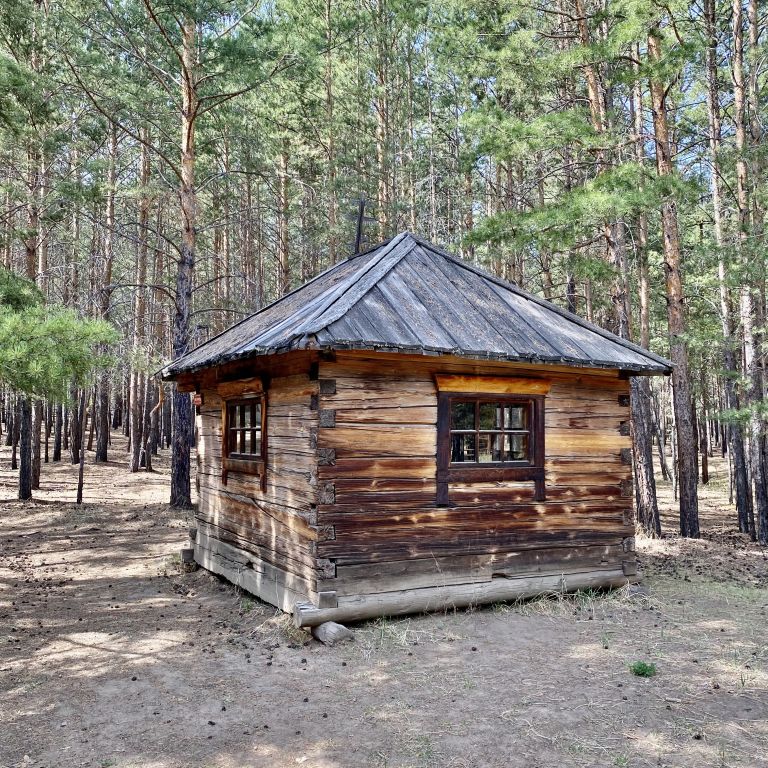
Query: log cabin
x,y
405,433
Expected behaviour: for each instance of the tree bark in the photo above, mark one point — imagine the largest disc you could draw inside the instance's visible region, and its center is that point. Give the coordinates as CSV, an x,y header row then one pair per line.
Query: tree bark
x,y
81,464
102,409
752,368
283,261
75,433
735,435
646,502
37,453
25,448
688,475
57,430
181,492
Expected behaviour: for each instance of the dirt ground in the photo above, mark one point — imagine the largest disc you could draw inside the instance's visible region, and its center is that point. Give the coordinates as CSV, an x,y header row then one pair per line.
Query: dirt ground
x,y
110,656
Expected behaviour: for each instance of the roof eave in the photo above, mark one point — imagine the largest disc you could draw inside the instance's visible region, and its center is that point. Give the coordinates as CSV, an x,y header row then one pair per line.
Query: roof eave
x,y
310,343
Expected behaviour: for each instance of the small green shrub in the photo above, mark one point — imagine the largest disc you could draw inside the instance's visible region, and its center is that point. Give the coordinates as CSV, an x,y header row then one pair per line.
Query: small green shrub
x,y
642,669
246,605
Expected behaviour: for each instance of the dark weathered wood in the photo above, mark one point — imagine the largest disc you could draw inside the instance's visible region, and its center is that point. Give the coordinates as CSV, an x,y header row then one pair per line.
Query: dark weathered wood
x,y
389,298
350,504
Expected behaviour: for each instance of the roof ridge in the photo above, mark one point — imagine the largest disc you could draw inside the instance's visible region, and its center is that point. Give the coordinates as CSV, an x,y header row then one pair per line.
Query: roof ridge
x,y
542,302
387,248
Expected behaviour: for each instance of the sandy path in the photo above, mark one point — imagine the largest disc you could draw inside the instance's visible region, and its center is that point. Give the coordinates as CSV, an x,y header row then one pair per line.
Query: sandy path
x,y
109,656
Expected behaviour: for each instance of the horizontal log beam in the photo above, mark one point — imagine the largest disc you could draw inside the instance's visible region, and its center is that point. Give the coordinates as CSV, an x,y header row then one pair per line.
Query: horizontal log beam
x,y
360,607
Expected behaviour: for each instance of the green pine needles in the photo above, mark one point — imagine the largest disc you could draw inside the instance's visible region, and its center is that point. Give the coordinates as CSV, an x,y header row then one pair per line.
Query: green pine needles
x,y
44,348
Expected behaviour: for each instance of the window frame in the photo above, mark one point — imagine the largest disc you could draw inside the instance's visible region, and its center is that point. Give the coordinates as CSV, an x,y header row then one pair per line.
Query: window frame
x,y
522,470
248,464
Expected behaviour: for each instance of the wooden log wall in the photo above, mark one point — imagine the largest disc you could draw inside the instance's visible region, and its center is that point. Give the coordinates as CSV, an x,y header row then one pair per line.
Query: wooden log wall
x,y
347,526
378,443
265,541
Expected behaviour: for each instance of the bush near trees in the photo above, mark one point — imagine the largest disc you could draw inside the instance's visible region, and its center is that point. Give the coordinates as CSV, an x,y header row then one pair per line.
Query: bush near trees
x,y
44,351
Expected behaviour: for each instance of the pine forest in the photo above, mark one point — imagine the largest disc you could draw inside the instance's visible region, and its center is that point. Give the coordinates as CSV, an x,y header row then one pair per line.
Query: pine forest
x,y
167,168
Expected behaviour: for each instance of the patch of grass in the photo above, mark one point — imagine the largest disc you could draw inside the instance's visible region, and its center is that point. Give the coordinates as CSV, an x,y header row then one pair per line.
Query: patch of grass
x,y
171,565
386,633
246,605
642,669
276,629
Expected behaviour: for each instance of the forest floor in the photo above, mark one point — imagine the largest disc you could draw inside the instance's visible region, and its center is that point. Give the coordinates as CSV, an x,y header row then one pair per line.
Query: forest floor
x,y
111,656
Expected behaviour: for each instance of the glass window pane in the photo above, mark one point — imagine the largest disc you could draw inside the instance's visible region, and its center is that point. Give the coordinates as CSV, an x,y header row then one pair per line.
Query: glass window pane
x,y
245,415
463,416
489,447
516,417
232,441
517,447
462,448
255,442
491,415
257,415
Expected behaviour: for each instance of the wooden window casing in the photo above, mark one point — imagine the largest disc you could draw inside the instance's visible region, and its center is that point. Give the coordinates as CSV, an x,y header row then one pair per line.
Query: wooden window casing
x,y
244,437
530,467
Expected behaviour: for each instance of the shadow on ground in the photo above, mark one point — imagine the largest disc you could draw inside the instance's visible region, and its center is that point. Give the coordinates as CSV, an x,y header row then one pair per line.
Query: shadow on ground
x,y
111,656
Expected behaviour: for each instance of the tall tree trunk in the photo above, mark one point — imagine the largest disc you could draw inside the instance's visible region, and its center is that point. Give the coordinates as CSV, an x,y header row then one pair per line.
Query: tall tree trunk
x,y
102,410
756,25
752,368
25,448
75,433
146,453
57,431
333,204
283,262
83,418
181,492
704,432
688,475
646,503
139,307
735,435
37,426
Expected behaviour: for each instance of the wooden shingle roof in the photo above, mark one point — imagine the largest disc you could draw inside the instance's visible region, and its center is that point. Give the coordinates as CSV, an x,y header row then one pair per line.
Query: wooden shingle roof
x,y
407,295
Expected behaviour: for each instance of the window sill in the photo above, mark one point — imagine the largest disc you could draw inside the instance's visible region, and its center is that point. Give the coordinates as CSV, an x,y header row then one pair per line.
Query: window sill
x,y
255,467
244,466
491,474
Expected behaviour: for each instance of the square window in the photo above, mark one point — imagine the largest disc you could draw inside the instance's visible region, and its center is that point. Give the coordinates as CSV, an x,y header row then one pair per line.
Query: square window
x,y
243,429
489,438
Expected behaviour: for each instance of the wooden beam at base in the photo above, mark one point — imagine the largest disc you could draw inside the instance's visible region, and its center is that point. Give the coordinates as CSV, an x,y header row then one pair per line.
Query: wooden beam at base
x,y
359,607
244,570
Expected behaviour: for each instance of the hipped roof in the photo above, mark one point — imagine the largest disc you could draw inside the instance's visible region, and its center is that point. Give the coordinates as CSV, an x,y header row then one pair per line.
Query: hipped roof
x,y
407,295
